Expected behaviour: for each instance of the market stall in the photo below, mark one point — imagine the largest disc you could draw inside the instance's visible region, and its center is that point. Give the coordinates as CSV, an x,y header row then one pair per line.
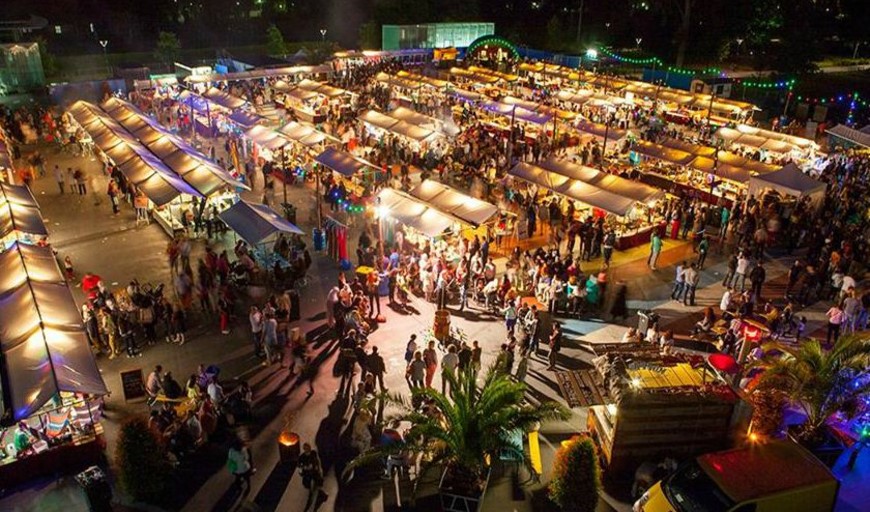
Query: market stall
x,y
260,226
631,220
765,145
422,224
211,181
788,181
48,375
137,163
20,217
416,135
223,98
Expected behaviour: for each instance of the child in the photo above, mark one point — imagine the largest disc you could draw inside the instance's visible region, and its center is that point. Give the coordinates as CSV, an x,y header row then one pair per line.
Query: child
x,y
68,268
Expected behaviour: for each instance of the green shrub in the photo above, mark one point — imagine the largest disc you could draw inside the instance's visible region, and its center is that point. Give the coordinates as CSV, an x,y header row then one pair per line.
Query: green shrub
x,y
576,476
142,463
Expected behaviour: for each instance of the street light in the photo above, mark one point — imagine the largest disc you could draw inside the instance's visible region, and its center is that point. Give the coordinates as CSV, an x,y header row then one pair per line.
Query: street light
x,y
104,43
592,54
323,34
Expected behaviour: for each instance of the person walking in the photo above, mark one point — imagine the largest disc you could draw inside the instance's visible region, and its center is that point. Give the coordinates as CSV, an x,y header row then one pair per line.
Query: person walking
x,y
476,352
430,357
59,178
555,345
377,368
416,371
703,247
794,275
154,384
312,476
740,271
607,246
510,317
691,277
373,282
270,339
730,271
679,282
836,316
655,247
756,279
240,465
448,368
619,308
255,317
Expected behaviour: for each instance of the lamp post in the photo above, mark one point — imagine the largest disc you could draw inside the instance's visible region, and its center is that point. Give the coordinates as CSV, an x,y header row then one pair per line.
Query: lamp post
x,y
323,35
606,126
104,43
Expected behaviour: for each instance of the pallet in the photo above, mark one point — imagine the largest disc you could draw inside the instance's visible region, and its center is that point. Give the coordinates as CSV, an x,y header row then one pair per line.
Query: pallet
x,y
580,388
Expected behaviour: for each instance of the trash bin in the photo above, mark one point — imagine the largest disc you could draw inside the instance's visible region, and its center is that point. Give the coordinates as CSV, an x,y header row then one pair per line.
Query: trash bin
x,y
96,488
319,239
645,317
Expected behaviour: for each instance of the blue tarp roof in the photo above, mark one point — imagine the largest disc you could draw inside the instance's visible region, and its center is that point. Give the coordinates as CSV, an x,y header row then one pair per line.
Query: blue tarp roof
x,y
256,222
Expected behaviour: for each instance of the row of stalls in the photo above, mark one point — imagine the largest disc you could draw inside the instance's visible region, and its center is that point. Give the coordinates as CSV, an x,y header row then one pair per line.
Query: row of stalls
x,y
50,386
627,207
581,87
178,182
174,177
287,72
679,166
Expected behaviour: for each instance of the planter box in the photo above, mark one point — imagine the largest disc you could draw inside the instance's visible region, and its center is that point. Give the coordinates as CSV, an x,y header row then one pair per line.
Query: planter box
x,y
453,502
827,451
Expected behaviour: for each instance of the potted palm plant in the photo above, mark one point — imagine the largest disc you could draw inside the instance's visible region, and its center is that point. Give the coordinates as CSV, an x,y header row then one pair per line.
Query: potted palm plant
x,y
820,383
463,431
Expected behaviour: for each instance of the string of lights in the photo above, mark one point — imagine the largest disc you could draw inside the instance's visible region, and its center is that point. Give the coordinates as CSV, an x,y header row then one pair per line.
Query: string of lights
x,y
630,60
787,84
851,98
782,84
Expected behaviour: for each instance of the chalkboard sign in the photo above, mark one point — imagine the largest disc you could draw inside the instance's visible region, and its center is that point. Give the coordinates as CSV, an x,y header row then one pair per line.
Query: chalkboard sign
x,y
133,384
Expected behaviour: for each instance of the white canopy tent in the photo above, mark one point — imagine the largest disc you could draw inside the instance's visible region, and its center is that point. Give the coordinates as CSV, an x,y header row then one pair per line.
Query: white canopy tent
x,y
470,210
413,213
573,189
789,180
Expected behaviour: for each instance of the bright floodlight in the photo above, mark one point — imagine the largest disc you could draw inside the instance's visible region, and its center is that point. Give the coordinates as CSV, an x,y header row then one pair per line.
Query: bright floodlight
x,y
592,53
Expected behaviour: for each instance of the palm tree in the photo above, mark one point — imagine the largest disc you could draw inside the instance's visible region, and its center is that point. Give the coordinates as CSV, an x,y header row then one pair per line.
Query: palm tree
x,y
821,382
466,428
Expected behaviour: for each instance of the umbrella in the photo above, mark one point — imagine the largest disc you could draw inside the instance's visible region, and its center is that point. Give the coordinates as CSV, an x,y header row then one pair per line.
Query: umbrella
x,y
723,362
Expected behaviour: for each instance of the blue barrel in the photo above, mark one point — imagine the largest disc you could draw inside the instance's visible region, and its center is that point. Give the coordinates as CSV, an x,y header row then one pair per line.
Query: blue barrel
x,y
319,239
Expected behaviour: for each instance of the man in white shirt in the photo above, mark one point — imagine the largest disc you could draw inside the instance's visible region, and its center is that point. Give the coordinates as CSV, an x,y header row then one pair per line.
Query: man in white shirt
x,y
448,367
216,392
690,279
